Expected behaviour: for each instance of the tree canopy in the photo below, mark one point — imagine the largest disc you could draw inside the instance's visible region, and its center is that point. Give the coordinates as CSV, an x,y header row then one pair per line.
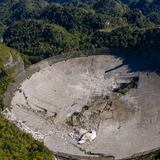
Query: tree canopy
x,y
39,39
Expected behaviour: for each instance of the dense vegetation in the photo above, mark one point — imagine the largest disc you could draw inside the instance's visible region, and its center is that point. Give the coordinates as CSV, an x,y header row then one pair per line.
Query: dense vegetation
x,y
39,39
7,69
126,37
43,28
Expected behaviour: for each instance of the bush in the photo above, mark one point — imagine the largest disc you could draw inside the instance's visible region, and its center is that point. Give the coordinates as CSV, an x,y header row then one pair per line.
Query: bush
x,y
39,40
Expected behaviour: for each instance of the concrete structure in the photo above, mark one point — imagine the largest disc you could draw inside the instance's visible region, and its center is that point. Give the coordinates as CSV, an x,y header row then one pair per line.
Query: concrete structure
x,y
125,124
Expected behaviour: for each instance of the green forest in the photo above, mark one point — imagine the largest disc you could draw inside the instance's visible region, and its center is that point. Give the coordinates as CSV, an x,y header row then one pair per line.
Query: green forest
x,y
35,30
43,28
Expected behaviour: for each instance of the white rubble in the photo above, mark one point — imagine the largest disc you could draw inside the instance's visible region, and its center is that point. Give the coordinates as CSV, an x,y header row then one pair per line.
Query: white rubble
x,y
82,135
88,137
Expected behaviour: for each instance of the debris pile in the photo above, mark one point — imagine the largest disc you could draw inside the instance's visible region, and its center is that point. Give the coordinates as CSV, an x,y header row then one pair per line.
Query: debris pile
x,y
82,135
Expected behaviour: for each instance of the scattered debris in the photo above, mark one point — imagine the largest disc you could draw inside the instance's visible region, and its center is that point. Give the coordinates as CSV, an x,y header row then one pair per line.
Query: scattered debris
x,y
77,133
21,124
89,136
82,135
